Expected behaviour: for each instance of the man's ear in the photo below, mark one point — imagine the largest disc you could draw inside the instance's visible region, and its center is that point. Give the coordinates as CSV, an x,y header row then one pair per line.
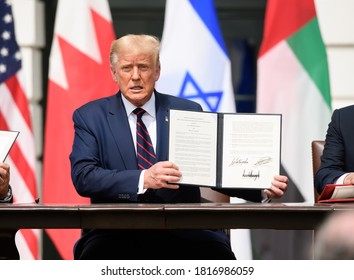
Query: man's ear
x,y
158,71
113,73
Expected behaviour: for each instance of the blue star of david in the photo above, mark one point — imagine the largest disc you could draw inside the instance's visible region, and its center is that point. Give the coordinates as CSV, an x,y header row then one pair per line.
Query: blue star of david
x,y
207,97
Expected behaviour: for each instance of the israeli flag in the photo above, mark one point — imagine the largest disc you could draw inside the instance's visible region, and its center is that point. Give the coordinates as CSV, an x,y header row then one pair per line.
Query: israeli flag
x,y
195,65
194,60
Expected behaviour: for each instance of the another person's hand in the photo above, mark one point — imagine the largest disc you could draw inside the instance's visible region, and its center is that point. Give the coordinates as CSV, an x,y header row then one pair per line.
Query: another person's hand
x,y
278,187
4,179
158,176
349,179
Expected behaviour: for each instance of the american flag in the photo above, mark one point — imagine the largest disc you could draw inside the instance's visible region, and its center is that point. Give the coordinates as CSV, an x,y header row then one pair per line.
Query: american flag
x,y
15,115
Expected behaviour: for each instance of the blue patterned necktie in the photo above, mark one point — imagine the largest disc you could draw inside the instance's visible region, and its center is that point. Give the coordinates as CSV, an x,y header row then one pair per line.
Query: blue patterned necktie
x,y
144,149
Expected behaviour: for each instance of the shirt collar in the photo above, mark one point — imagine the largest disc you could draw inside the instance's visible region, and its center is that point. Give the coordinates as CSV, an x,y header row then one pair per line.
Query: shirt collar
x,y
149,106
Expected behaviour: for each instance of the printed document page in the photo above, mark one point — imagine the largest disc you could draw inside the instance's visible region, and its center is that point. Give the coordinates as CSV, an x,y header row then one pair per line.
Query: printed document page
x,y
7,139
251,150
192,146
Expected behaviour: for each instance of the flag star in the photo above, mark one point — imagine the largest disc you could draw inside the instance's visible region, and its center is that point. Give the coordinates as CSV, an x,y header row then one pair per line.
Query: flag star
x,y
3,68
7,18
4,52
210,98
6,35
17,55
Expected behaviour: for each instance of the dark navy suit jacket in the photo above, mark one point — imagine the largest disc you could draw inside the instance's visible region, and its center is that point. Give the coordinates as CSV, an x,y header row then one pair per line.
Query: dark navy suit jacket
x,y
104,165
103,161
338,153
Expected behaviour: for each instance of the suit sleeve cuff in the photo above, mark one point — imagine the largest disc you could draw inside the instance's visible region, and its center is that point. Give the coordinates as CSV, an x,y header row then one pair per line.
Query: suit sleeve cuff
x,y
8,198
265,198
141,189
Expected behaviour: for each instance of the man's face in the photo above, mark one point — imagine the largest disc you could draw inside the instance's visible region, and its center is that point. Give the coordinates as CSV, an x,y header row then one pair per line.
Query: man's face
x,y
136,75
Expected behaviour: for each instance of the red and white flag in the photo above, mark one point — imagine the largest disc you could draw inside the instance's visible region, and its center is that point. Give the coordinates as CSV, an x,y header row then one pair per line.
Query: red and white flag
x,y
78,72
15,115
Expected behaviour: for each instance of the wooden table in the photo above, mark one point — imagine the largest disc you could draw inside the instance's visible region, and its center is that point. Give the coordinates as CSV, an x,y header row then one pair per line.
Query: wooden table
x,y
298,216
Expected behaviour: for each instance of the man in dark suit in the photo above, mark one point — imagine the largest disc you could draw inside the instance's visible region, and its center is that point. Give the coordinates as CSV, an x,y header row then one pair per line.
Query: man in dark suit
x,y
105,166
337,161
5,188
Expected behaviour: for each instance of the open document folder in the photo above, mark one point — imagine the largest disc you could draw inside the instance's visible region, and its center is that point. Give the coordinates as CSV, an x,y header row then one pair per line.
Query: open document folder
x,y
225,150
337,193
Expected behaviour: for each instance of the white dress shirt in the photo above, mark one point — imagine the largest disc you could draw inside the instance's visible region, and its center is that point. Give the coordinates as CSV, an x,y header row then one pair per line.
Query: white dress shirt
x,y
149,119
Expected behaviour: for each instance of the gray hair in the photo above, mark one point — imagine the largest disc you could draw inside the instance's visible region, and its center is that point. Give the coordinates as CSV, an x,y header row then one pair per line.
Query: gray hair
x,y
142,43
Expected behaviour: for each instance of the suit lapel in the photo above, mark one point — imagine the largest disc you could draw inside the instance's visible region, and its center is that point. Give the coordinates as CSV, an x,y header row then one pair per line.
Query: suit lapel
x,y
119,125
162,116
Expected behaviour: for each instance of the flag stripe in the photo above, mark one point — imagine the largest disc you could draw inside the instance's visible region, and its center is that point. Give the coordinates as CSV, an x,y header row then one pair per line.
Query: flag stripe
x,y
284,18
207,12
8,107
26,253
23,167
21,163
309,48
19,98
31,239
21,191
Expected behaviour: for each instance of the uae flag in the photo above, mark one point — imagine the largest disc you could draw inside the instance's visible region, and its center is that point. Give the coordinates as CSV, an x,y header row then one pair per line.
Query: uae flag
x,y
293,80
78,72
